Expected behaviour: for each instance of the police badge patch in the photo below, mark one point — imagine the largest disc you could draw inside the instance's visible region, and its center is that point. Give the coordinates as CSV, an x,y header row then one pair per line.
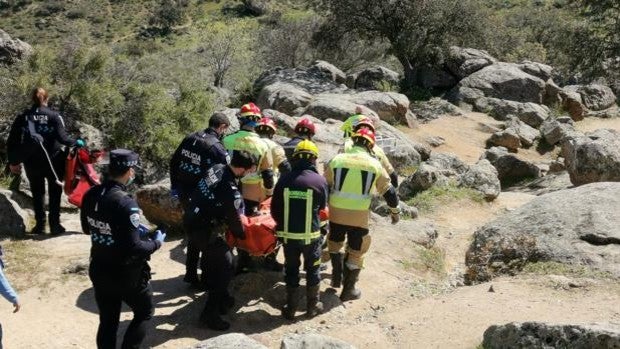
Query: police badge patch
x,y
135,219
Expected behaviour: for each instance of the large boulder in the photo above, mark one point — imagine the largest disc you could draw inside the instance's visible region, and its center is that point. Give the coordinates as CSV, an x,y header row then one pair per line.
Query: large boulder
x,y
594,97
556,130
539,335
482,177
313,341
507,138
500,80
229,341
575,226
510,169
527,134
424,177
594,157
13,50
531,113
329,70
159,207
539,70
463,62
434,78
376,77
434,108
283,97
13,219
311,81
402,152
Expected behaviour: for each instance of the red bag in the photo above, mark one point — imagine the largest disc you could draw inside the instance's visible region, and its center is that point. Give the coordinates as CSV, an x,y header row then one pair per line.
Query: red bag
x,y
260,235
80,174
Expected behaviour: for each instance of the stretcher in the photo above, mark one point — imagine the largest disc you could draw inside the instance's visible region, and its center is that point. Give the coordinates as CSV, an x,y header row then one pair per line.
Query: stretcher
x,y
80,174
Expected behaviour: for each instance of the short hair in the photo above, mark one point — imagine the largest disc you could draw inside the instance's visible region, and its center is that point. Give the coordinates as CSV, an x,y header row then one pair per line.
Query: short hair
x,y
218,119
115,172
243,159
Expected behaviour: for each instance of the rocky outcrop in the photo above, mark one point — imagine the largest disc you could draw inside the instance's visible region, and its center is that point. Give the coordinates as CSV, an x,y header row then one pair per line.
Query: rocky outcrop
x,y
463,62
575,226
312,81
594,157
538,335
13,50
579,100
311,341
507,138
530,113
434,108
510,169
483,178
13,219
231,114
539,70
230,341
329,70
374,78
159,207
283,97
500,80
527,134
95,139
437,79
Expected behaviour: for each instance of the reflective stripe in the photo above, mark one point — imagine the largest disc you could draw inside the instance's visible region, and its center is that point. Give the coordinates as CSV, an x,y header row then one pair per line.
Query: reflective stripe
x,y
352,196
370,178
308,235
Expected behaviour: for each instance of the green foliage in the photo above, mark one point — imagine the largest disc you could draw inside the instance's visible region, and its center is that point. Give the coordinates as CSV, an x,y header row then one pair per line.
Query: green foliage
x,y
168,14
556,268
428,200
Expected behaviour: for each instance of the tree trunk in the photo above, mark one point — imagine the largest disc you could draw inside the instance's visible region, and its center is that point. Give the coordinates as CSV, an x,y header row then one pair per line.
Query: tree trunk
x,y
411,75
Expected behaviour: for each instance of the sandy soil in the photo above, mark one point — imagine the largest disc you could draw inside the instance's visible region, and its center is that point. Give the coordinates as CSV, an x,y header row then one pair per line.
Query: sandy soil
x,y
403,306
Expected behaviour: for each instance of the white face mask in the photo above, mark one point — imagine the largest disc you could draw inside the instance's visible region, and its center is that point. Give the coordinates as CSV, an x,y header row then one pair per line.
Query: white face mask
x,y
131,178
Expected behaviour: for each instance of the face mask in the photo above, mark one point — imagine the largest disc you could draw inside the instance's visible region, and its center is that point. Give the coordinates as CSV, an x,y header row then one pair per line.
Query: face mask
x,y
131,179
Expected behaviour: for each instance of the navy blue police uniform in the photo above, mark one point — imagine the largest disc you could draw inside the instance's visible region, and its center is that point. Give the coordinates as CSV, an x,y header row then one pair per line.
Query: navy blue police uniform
x,y
118,269
196,153
45,126
216,205
289,147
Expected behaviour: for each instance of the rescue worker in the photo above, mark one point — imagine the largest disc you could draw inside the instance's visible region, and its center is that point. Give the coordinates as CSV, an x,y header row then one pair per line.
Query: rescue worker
x,y
216,205
266,128
357,122
120,249
36,140
304,130
352,177
295,206
254,185
196,153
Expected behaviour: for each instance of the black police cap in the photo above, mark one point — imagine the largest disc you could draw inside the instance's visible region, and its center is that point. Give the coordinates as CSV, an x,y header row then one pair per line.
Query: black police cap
x,y
123,159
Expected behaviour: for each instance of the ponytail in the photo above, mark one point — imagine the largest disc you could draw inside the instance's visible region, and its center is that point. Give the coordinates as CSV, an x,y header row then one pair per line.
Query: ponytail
x,y
39,96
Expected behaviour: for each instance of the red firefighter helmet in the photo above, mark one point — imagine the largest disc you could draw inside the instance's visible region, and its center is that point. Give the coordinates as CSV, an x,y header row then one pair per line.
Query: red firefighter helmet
x,y
250,111
305,126
365,135
266,125
363,120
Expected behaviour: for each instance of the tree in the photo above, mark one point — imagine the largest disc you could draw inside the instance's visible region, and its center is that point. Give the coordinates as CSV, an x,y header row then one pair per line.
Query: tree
x,y
168,14
287,42
418,31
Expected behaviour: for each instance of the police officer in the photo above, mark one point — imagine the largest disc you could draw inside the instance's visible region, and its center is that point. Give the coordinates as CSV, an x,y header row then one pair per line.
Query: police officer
x,y
352,176
196,153
36,139
304,130
118,257
253,186
297,199
355,123
216,205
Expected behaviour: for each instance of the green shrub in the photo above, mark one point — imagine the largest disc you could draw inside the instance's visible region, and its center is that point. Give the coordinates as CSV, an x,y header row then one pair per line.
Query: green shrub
x,y
428,200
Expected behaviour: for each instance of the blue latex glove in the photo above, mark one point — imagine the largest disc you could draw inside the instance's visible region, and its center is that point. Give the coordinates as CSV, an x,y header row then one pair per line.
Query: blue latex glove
x,y
160,236
80,143
143,229
174,193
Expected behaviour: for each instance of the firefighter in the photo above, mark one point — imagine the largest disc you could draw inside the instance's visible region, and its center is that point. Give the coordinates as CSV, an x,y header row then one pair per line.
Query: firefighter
x,y
216,205
357,122
118,257
189,163
297,200
304,130
36,139
352,177
254,185
266,128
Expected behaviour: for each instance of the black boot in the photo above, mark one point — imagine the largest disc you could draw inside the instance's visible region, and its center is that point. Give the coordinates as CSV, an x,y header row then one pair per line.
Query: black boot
x,y
292,301
211,314
349,292
39,228
314,306
336,259
57,229
226,304
271,263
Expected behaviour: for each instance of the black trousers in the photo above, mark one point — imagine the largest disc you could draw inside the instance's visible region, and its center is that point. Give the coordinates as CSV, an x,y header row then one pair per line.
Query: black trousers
x,y
38,171
293,250
219,271
193,252
110,293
